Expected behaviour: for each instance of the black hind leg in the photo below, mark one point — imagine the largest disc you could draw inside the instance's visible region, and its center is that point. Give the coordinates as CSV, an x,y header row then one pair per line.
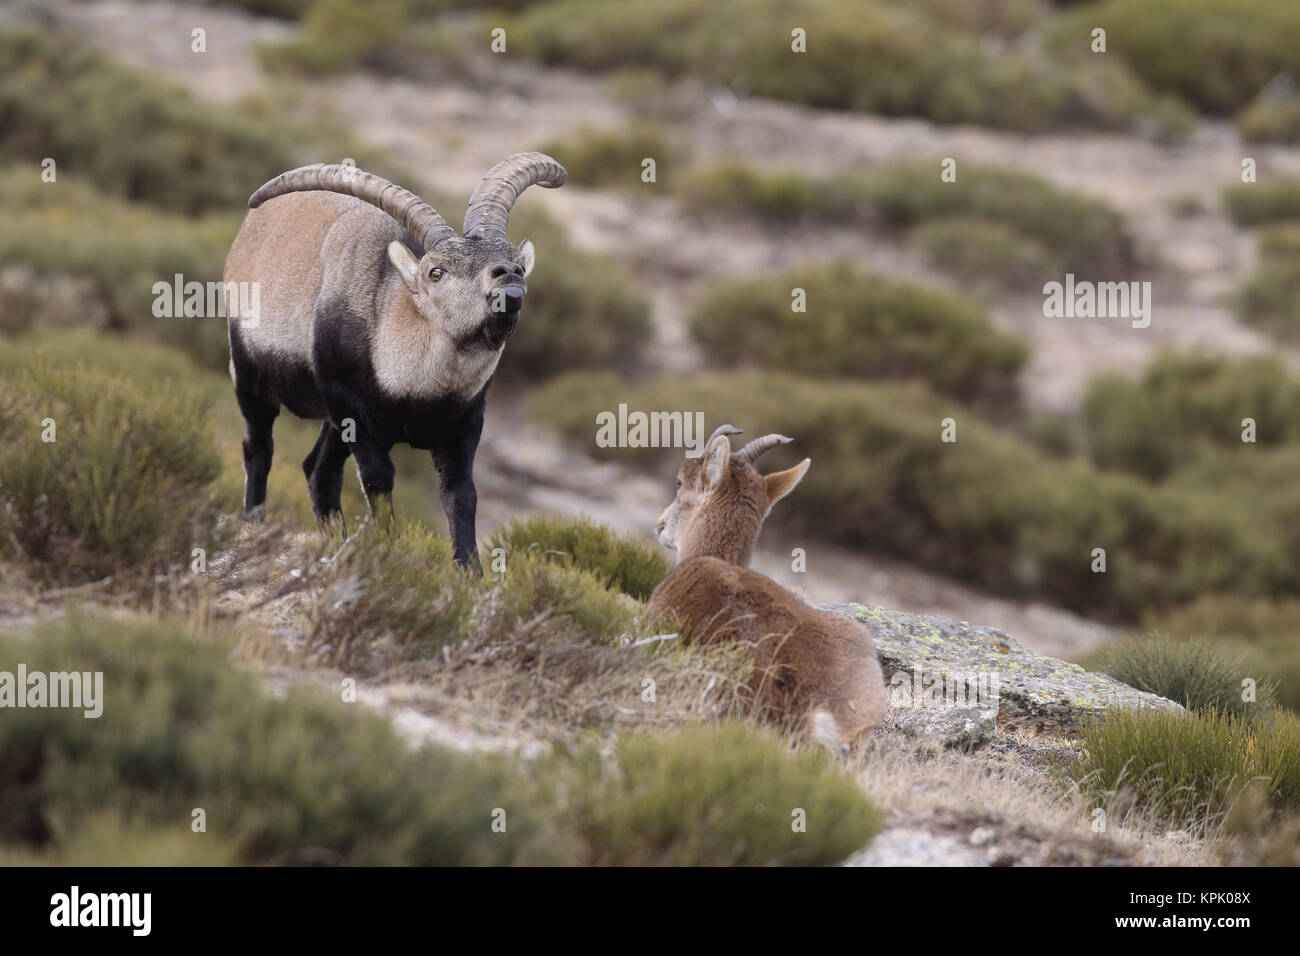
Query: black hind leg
x,y
324,470
259,418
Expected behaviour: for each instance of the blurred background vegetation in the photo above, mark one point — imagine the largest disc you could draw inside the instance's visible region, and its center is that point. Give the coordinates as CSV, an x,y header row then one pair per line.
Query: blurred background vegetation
x,y
775,171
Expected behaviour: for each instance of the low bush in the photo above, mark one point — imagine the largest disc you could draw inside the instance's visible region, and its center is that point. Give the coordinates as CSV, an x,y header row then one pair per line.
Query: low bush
x,y
623,562
1257,631
291,781
1083,235
881,56
395,598
985,253
132,135
737,188
1191,672
304,779
101,475
1254,204
582,311
1188,769
1039,226
1184,402
1217,54
1271,118
717,795
63,229
602,157
1269,299
858,326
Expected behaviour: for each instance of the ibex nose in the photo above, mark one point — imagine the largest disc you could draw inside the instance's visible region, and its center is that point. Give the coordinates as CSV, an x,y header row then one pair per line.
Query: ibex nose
x,y
504,268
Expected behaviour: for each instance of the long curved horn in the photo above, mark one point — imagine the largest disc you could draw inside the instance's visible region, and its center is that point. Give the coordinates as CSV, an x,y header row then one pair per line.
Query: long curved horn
x,y
758,446
722,430
418,218
493,198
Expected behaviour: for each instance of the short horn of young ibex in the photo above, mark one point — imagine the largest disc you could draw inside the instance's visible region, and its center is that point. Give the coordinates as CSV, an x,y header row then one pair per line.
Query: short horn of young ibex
x,y
814,669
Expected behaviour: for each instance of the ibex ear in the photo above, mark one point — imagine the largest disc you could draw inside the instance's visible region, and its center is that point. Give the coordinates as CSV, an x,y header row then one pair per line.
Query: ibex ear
x,y
781,483
716,457
408,267
527,257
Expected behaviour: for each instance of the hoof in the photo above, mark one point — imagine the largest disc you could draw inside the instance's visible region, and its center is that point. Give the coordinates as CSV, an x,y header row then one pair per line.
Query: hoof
x,y
381,510
333,525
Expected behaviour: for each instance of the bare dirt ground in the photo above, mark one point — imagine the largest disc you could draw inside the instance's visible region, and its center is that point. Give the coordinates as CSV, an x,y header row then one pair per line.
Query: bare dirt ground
x,y
456,128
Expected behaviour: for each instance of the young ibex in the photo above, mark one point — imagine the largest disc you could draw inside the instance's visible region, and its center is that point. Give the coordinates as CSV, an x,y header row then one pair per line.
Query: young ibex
x,y
376,317
813,669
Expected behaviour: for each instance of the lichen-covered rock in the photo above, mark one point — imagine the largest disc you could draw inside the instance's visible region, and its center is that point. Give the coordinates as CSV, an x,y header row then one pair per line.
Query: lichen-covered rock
x,y
957,728
932,661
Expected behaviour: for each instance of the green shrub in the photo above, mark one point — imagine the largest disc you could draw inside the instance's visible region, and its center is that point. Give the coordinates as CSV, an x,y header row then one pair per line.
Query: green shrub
x,y
294,780
1218,54
1191,672
398,597
600,157
984,252
1083,235
1259,632
884,57
1271,119
1253,204
1188,768
1269,299
1184,402
722,795
1030,216
582,311
305,779
336,34
61,229
131,135
624,562
123,487
1255,489
388,36
737,188
858,326
984,508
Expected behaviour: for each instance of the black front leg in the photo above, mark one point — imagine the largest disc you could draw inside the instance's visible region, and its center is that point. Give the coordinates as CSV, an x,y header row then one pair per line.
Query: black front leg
x,y
454,459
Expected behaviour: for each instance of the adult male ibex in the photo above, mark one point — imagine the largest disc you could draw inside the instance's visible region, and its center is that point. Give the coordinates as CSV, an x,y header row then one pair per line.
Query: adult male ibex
x,y
813,669
376,317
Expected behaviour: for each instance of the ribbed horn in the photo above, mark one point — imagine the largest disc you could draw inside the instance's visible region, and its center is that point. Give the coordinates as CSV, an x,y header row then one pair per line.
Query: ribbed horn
x,y
723,430
494,197
758,446
416,216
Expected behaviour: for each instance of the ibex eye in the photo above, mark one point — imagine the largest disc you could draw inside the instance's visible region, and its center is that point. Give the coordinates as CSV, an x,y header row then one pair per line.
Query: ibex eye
x,y
679,482
435,274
